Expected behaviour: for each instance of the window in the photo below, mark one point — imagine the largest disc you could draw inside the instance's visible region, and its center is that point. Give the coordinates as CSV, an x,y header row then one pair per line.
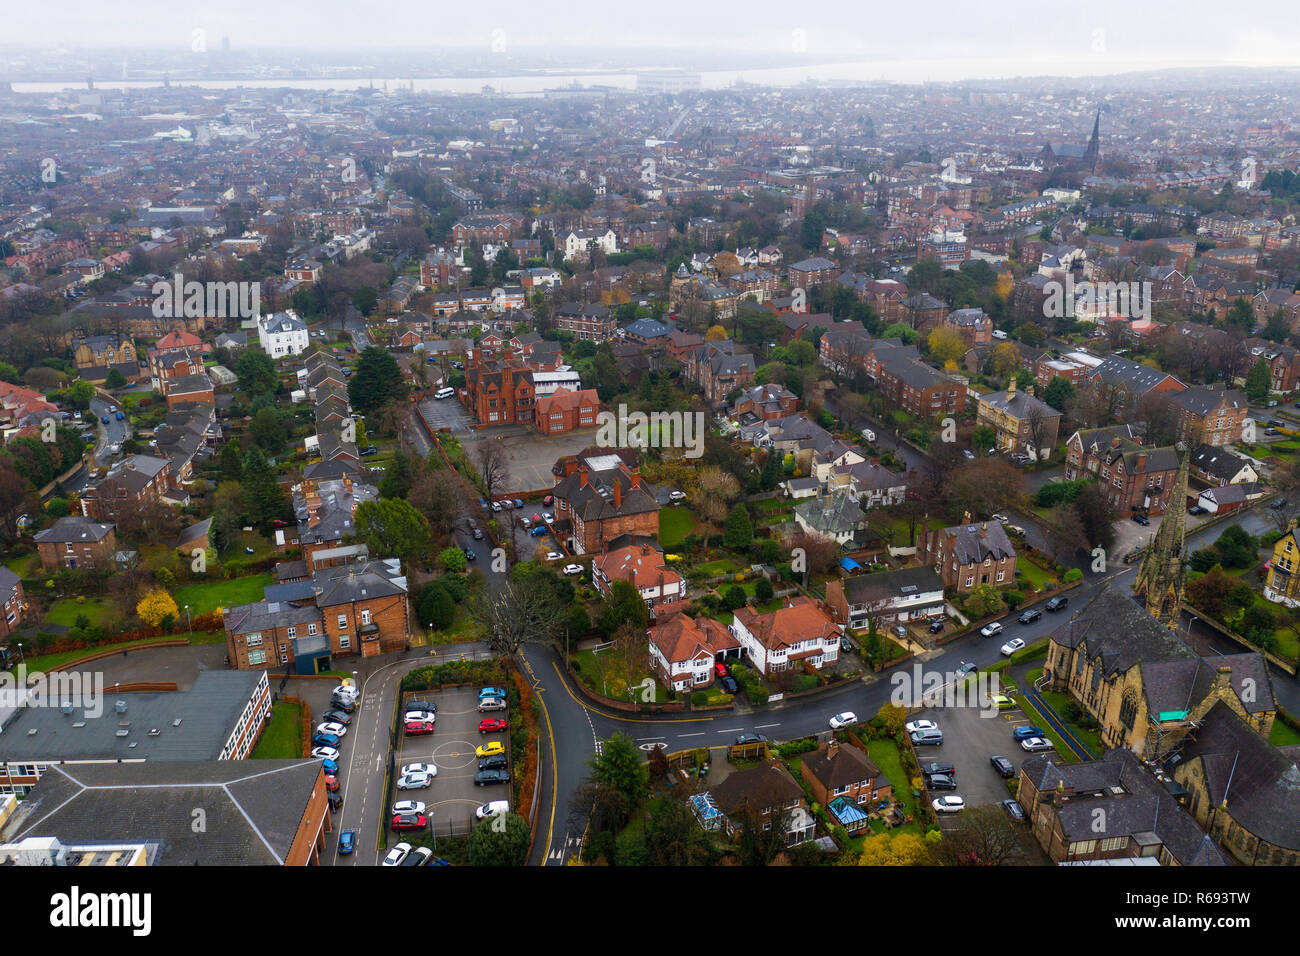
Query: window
x,y
345,642
253,640
343,622
311,628
970,580
293,632
365,616
257,657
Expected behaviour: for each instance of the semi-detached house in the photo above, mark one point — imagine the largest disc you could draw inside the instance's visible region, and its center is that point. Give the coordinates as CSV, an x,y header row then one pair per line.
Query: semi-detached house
x,y
799,632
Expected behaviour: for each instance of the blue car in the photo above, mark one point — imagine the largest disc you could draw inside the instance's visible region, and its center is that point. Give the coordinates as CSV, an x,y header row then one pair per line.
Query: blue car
x,y
487,692
1024,733
538,531
104,419
331,766
325,740
347,842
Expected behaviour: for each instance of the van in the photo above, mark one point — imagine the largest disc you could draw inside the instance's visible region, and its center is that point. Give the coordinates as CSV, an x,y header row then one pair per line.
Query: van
x,y
927,738
999,335
445,392
491,703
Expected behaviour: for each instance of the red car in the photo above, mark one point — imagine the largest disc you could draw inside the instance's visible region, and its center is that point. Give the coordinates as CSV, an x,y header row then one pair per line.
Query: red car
x,y
720,668
550,499
417,728
410,821
492,725
331,782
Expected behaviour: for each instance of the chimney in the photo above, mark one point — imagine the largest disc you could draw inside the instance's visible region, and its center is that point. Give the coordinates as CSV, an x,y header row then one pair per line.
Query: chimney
x,y
634,477
582,475
618,493
1011,389
984,529
1141,461
832,746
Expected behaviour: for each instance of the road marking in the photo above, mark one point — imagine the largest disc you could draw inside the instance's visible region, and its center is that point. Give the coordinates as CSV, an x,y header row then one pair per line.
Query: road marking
x,y
699,734
652,738
730,730
761,726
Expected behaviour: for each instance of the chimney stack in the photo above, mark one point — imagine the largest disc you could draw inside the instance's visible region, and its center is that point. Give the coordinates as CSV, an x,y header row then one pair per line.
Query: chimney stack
x,y
618,493
582,475
1141,461
1011,389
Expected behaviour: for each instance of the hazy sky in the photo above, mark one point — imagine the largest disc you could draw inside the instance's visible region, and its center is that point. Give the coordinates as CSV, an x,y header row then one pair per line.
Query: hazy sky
x,y
1250,32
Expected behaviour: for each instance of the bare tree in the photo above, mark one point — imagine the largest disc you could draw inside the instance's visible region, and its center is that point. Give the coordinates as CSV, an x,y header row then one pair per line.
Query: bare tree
x,y
490,465
521,610
716,491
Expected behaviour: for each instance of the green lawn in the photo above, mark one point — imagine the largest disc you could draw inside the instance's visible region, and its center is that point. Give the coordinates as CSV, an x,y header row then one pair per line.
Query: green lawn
x,y
281,740
1283,736
65,612
210,595
675,524
1034,575
721,566
24,565
1057,701
45,662
613,687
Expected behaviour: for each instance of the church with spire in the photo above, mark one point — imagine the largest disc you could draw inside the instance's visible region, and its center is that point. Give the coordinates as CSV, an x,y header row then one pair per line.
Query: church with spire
x,y
1072,157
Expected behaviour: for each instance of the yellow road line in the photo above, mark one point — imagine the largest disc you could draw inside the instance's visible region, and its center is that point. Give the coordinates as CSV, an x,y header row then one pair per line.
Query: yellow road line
x,y
626,720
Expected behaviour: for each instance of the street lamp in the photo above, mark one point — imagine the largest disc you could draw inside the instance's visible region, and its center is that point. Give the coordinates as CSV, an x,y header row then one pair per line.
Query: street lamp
x,y
189,624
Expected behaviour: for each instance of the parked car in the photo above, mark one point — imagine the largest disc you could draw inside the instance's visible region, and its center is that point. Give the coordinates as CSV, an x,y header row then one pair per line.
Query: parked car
x,y
912,726
927,738
491,703
329,727
1058,603
423,706
1035,744
965,667
325,752
486,778
845,719
346,704
414,781
1023,733
499,762
678,496
489,749
428,768
519,502
1011,646
331,782
347,842
1002,702
1015,529
720,668
1030,616
1142,520
937,625
744,739
420,856
948,804
538,531
728,684
1003,766
419,728
492,725
941,781
492,809
1013,807
988,630
968,454
410,821
573,569
420,715
554,556
1196,510
397,855
337,717
408,806
330,766
487,692
369,450
548,500
937,766
999,517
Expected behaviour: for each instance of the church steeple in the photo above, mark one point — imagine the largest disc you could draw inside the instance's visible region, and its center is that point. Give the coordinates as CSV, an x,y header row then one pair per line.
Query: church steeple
x,y
1162,575
1094,143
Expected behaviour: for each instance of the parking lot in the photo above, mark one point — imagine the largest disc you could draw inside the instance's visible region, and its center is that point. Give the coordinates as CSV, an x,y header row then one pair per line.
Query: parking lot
x,y
452,798
446,413
971,735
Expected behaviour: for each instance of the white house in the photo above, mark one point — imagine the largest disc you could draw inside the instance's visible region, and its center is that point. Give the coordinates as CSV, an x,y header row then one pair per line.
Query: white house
x,y
281,334
578,242
889,597
800,632
683,650
644,568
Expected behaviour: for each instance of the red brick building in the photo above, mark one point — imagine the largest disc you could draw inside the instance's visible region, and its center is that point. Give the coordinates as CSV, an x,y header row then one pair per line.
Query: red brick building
x,y
565,410
598,496
972,555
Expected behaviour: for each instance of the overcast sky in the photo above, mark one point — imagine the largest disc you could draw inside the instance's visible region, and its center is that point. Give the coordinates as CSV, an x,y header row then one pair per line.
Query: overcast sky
x,y
1192,32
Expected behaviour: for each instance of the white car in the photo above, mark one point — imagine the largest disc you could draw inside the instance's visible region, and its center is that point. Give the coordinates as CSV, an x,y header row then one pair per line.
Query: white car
x,y
999,517
1033,744
573,569
989,630
427,716
408,806
1011,646
492,809
547,517
414,781
329,727
526,522
328,753
428,768
948,804
678,496
914,725
496,506
553,556
845,719
397,854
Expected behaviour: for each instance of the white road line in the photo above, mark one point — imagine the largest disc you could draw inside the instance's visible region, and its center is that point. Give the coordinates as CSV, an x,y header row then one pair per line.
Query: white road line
x,y
730,730
700,734
652,738
761,726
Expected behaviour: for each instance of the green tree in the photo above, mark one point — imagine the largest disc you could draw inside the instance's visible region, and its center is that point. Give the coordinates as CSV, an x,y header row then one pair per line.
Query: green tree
x,y
621,606
392,528
1240,316
377,383
1058,392
435,606
399,476
493,843
267,432
453,559
265,499
256,373
619,767
232,463
1258,381
773,473
738,532
763,591
114,379
733,598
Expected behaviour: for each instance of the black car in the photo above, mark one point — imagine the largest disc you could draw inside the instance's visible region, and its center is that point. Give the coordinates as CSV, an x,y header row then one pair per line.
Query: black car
x,y
495,762
941,781
343,703
937,766
742,739
336,802
1057,603
1013,808
1003,766
423,705
470,555
1030,616
336,717
370,450
937,625
1142,520
487,777
478,534
728,684
1196,510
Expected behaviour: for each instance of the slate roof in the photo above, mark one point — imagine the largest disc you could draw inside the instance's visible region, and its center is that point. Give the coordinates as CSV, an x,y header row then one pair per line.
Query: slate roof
x,y
844,766
252,809
971,544
1218,462
1117,629
72,530
1201,401
1138,379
